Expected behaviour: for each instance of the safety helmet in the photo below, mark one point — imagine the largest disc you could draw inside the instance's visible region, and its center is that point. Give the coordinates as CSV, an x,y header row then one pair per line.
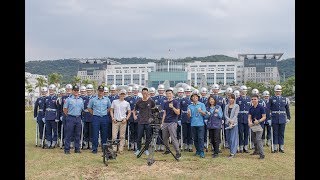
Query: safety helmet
x,y
105,89
195,91
215,86
152,90
44,89
68,86
277,88
62,90
204,90
160,87
187,89
229,90
266,93
236,93
83,88
129,89
243,88
180,90
122,91
135,88
171,88
89,87
113,87
255,91
52,87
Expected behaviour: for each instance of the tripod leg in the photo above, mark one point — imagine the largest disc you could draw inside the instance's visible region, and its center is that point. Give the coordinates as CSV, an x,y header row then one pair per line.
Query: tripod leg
x,y
169,149
143,149
250,138
152,148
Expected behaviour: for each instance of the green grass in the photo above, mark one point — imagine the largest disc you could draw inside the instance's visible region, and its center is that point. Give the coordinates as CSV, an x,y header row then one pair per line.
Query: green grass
x,y
54,164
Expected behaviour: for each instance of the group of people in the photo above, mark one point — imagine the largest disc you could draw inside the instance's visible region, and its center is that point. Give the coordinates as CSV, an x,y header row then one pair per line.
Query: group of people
x,y
82,119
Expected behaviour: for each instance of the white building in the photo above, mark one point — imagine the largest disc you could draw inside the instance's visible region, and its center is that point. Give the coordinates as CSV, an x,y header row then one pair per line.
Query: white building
x,y
124,74
32,80
223,73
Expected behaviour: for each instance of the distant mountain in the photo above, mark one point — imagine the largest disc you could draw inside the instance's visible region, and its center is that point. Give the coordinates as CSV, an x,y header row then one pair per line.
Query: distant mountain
x,y
69,67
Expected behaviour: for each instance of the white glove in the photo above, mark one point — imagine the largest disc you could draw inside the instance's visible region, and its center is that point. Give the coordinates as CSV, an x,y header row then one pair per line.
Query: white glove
x,y
43,120
206,121
222,121
287,121
179,122
57,120
208,112
61,118
35,118
269,122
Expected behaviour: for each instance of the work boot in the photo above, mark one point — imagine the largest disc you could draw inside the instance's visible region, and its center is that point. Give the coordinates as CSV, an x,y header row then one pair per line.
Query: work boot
x,y
54,143
159,147
132,146
252,145
281,149
71,145
47,144
246,149
162,147
190,148
186,147
269,142
135,146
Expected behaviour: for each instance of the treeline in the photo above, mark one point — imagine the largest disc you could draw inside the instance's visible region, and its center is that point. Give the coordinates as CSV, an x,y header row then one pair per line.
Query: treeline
x,y
68,67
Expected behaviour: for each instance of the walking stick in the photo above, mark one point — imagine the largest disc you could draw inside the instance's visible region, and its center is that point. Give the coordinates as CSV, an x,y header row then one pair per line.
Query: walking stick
x,y
81,140
43,132
37,133
61,137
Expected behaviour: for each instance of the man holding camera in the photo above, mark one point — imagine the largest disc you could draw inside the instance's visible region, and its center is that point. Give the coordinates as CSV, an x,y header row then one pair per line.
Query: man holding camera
x,y
144,107
169,122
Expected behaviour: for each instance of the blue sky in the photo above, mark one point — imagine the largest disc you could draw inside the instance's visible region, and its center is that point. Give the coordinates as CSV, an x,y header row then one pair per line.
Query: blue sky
x,y
59,29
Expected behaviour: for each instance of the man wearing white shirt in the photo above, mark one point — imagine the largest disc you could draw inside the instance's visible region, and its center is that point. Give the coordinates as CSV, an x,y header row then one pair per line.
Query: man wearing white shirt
x,y
118,112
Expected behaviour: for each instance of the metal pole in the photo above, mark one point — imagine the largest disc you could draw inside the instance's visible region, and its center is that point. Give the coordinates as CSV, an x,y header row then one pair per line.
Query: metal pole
x,y
37,134
81,140
61,137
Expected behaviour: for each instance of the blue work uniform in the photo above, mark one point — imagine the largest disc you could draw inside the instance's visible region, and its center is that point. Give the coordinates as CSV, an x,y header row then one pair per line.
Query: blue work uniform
x,y
160,100
51,111
39,113
244,103
185,121
179,99
133,125
100,119
204,100
87,121
222,103
267,126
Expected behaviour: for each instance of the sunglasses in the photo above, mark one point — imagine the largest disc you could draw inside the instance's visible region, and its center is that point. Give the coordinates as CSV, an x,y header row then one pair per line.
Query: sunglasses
x,y
254,99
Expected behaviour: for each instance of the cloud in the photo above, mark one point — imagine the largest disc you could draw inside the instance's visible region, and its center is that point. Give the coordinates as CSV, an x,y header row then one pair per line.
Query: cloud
x,y
148,28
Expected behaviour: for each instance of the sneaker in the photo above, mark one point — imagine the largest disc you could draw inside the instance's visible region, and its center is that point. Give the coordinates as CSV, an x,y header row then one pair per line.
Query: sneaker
x,y
281,150
215,155
178,155
77,151
274,151
137,152
197,153
67,152
147,152
246,151
202,154
254,153
166,152
94,151
261,157
231,156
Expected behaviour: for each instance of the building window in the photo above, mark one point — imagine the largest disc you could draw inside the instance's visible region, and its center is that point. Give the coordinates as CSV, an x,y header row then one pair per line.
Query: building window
x,y
199,76
118,80
110,79
230,78
127,79
142,79
210,78
220,78
135,79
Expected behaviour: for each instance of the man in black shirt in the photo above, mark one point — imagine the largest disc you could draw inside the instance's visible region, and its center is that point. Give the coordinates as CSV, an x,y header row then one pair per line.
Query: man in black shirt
x,y
144,107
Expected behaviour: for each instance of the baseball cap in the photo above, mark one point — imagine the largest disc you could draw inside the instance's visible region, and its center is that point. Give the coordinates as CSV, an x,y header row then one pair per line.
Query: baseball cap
x,y
75,87
100,88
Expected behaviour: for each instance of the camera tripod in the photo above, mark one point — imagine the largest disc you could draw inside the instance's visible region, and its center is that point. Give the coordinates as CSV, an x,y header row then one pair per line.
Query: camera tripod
x,y
152,144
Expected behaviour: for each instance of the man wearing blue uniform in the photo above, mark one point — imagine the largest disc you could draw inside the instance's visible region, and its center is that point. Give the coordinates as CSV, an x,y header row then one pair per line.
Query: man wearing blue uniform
x,y
51,111
244,103
280,115
99,107
267,122
113,96
221,102
185,120
204,100
87,119
160,99
179,127
62,115
133,125
73,108
38,112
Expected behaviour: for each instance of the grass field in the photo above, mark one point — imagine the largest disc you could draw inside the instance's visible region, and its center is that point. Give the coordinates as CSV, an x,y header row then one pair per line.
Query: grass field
x,y
54,164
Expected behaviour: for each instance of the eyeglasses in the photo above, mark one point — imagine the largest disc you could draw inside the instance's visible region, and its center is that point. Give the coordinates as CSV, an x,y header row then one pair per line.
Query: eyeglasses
x,y
254,99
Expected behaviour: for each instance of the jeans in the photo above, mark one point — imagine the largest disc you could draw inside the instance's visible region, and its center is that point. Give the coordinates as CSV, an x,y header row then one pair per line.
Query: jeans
x,y
198,138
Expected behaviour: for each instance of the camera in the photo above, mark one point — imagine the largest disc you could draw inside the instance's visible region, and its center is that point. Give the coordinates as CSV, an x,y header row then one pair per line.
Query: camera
x,y
155,115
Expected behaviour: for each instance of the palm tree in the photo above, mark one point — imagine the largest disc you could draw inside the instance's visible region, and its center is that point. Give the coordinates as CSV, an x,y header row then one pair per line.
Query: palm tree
x,y
76,80
54,78
86,81
41,81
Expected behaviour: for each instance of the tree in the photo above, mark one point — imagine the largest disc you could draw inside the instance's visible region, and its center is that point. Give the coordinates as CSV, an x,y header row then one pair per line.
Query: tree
x,y
41,81
287,86
54,78
76,80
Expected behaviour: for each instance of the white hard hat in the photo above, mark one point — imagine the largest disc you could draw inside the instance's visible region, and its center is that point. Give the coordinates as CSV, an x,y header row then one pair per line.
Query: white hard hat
x,y
83,88
135,88
255,91
89,87
44,89
195,91
229,90
152,90
215,86
68,86
62,90
122,91
171,88
180,89
236,93
204,90
113,87
52,87
105,89
266,93
187,89
277,88
130,89
243,88
160,87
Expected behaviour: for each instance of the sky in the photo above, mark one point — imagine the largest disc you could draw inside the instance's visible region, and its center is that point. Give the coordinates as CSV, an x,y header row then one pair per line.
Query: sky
x,y
62,29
